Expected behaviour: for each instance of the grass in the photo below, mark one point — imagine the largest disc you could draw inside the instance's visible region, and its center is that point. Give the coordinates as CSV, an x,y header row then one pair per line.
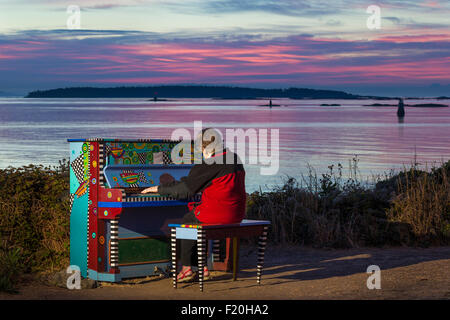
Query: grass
x,y
423,202
409,208
10,268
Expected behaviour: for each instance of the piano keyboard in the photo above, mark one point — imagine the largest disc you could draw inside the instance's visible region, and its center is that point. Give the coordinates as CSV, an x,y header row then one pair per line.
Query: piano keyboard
x,y
130,197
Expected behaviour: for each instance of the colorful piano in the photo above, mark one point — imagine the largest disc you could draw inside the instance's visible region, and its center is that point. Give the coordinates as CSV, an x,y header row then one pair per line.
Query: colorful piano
x,y
116,232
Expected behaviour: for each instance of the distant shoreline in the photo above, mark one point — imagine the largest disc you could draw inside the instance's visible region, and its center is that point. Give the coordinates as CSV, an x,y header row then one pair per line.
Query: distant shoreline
x,y
214,92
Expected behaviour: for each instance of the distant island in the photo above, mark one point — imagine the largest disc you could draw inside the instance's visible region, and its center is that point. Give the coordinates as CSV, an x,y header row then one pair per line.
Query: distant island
x,y
194,91
428,105
420,105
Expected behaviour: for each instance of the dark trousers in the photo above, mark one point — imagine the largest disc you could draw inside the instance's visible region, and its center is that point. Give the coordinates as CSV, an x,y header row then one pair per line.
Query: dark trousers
x,y
188,248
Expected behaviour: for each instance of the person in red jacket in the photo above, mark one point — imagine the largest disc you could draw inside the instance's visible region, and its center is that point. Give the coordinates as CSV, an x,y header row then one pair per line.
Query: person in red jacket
x,y
221,180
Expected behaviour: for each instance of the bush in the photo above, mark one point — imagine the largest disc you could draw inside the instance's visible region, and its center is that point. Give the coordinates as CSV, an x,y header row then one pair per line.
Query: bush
x,y
410,208
423,202
34,215
10,268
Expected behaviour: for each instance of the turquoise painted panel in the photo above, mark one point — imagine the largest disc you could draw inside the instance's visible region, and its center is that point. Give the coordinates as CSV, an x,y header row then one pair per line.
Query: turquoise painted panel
x,y
78,233
79,211
75,150
107,277
73,182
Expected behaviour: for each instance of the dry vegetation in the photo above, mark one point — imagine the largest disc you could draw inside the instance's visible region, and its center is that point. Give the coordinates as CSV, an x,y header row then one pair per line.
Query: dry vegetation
x,y
408,208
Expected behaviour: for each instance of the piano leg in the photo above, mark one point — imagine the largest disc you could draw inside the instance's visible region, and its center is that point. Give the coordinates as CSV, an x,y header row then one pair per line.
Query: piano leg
x,y
173,245
262,241
114,250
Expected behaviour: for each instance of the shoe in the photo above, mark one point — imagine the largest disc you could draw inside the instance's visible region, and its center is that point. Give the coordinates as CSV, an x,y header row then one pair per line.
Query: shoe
x,y
185,275
206,274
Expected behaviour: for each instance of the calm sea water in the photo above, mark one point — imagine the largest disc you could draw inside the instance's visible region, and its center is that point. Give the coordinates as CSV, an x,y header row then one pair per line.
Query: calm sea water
x,y
36,130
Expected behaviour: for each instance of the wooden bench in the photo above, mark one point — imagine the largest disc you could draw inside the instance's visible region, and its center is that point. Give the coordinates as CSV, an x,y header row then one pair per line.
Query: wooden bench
x,y
204,232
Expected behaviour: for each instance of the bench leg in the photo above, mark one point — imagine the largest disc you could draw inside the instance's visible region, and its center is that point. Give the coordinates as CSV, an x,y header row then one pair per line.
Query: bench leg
x,y
227,263
216,250
228,254
173,244
235,257
262,241
201,251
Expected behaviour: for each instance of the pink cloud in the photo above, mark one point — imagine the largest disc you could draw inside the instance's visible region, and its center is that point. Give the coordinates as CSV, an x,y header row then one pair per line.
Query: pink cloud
x,y
191,63
296,60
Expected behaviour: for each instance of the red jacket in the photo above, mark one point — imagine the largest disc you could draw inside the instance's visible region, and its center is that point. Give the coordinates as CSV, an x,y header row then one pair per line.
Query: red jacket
x,y
222,186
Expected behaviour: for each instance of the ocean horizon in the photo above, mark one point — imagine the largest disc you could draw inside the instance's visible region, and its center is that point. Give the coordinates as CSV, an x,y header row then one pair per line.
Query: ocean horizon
x,y
35,131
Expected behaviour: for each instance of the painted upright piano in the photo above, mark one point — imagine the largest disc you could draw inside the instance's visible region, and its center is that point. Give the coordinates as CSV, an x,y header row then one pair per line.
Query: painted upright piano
x,y
115,231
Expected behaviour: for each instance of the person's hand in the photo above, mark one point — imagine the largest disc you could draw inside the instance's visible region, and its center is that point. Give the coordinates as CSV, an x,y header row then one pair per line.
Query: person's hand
x,y
150,190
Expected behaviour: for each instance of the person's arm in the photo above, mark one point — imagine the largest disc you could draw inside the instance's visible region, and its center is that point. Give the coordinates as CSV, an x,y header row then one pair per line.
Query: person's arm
x,y
197,179
153,189
177,189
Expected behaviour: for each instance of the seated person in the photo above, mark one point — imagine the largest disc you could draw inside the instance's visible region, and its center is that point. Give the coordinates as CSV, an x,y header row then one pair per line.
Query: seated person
x,y
223,200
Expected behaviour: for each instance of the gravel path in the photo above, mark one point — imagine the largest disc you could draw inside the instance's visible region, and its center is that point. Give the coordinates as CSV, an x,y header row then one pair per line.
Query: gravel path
x,y
290,273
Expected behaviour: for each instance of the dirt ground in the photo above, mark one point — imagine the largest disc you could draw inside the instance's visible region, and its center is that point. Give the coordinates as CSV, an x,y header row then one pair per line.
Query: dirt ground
x,y
290,273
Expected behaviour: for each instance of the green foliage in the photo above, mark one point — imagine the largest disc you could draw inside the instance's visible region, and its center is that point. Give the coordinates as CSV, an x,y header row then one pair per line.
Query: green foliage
x,y
10,268
34,215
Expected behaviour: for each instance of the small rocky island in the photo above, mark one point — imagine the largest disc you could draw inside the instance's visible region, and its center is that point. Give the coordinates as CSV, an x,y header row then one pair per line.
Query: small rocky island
x,y
421,105
428,105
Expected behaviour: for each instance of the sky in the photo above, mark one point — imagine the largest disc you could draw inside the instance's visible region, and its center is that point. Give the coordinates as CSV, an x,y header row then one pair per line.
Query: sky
x,y
255,43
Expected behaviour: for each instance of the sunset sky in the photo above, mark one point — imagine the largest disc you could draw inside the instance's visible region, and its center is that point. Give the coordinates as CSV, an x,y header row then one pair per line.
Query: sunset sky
x,y
257,43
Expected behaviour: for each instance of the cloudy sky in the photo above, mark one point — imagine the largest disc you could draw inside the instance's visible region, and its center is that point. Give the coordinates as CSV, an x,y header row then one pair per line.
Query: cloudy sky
x,y
261,43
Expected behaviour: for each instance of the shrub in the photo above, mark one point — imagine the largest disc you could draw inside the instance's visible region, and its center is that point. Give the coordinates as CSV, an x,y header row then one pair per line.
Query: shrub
x,y
423,202
10,268
34,215
410,208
